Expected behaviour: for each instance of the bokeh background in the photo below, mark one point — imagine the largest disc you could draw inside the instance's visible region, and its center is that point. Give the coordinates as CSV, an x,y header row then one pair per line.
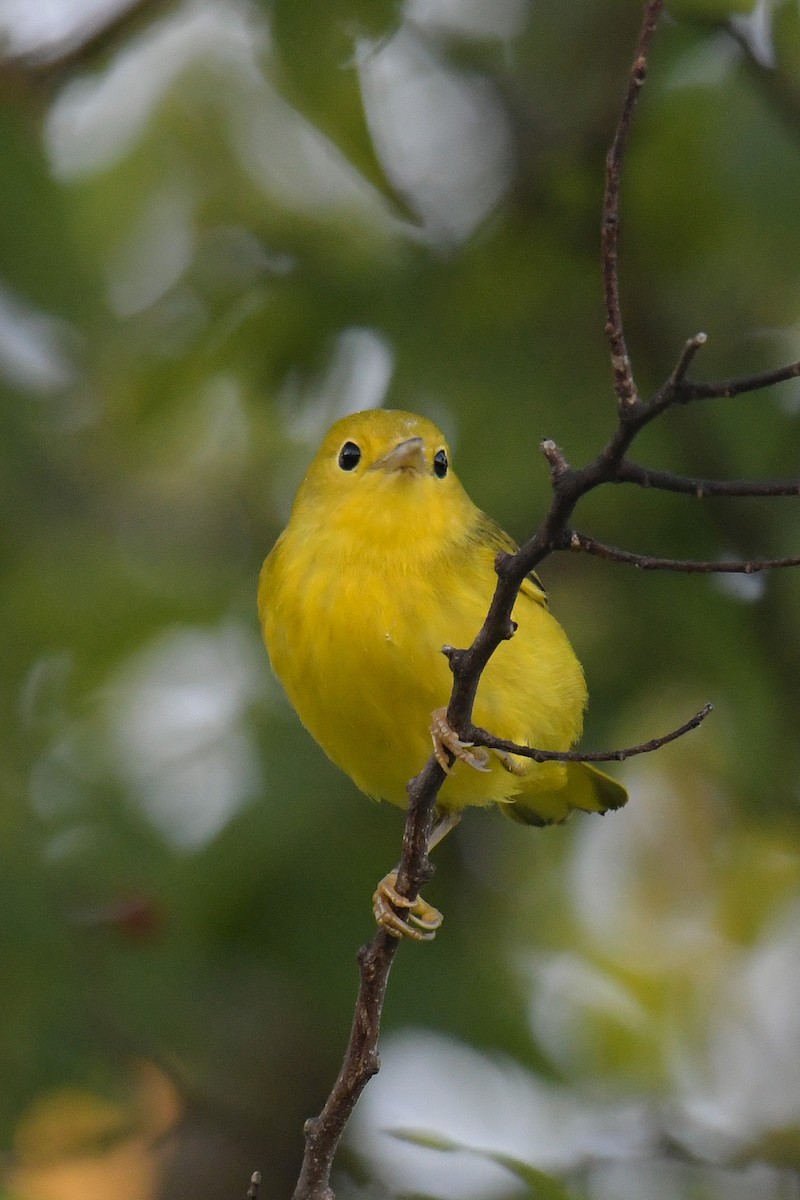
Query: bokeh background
x,y
223,224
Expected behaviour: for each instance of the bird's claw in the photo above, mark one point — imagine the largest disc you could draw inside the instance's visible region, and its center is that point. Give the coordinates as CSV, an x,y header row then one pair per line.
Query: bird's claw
x,y
445,738
421,920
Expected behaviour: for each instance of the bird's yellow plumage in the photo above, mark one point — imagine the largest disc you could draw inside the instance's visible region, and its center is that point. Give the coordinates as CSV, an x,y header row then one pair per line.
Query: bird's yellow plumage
x,y
385,560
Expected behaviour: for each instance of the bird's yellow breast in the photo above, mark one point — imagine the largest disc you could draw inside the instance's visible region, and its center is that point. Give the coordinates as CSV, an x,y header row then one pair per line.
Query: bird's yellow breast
x,y
355,633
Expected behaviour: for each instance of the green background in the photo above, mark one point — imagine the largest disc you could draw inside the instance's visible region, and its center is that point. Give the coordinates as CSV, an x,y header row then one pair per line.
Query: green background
x,y
222,225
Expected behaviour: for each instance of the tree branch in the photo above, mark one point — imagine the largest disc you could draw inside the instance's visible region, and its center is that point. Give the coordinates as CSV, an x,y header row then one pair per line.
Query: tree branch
x,y
687,358
361,1061
666,481
646,562
482,737
624,384
726,389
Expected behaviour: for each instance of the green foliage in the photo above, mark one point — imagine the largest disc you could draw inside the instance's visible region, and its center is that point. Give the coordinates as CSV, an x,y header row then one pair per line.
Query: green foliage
x,y
539,1186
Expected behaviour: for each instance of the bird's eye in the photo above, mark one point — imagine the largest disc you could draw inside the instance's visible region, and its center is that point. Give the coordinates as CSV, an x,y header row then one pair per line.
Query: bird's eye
x,y
349,456
440,464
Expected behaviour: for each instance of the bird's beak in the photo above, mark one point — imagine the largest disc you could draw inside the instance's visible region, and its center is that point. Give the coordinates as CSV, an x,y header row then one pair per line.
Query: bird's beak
x,y
407,456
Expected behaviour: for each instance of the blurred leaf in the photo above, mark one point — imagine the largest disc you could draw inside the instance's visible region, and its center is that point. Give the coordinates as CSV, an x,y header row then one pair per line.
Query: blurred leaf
x,y
541,1186
37,257
779,1147
324,86
67,1124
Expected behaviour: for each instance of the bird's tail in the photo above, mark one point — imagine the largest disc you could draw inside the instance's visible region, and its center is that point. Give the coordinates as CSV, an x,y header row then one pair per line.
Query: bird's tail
x,y
586,788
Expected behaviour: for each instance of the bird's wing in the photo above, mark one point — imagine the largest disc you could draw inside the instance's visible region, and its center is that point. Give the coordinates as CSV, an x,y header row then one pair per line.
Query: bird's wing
x,y
498,541
586,788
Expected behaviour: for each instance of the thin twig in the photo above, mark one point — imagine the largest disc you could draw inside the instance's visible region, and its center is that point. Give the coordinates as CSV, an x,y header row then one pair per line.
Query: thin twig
x,y
482,737
647,562
726,389
647,477
677,389
686,359
624,384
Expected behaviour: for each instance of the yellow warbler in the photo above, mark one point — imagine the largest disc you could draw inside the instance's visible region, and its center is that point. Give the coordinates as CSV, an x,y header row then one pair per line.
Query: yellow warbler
x,y
385,559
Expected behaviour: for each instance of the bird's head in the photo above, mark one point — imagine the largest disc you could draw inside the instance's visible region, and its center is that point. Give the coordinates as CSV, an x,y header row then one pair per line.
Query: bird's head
x,y
382,478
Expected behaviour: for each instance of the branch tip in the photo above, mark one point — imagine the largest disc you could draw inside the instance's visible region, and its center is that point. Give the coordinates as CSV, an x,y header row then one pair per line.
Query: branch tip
x,y
556,459
687,357
482,737
454,657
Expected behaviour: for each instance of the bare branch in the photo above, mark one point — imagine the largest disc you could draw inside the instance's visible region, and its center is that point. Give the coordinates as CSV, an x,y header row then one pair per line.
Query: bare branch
x,y
482,737
624,384
687,358
556,460
646,562
361,1061
678,390
646,477
726,389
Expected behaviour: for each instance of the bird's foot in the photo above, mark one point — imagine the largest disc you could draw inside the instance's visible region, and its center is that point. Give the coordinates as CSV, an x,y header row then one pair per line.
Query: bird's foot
x,y
420,921
445,738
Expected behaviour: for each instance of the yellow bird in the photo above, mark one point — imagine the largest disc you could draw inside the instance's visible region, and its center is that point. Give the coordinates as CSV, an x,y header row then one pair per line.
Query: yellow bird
x,y
385,560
